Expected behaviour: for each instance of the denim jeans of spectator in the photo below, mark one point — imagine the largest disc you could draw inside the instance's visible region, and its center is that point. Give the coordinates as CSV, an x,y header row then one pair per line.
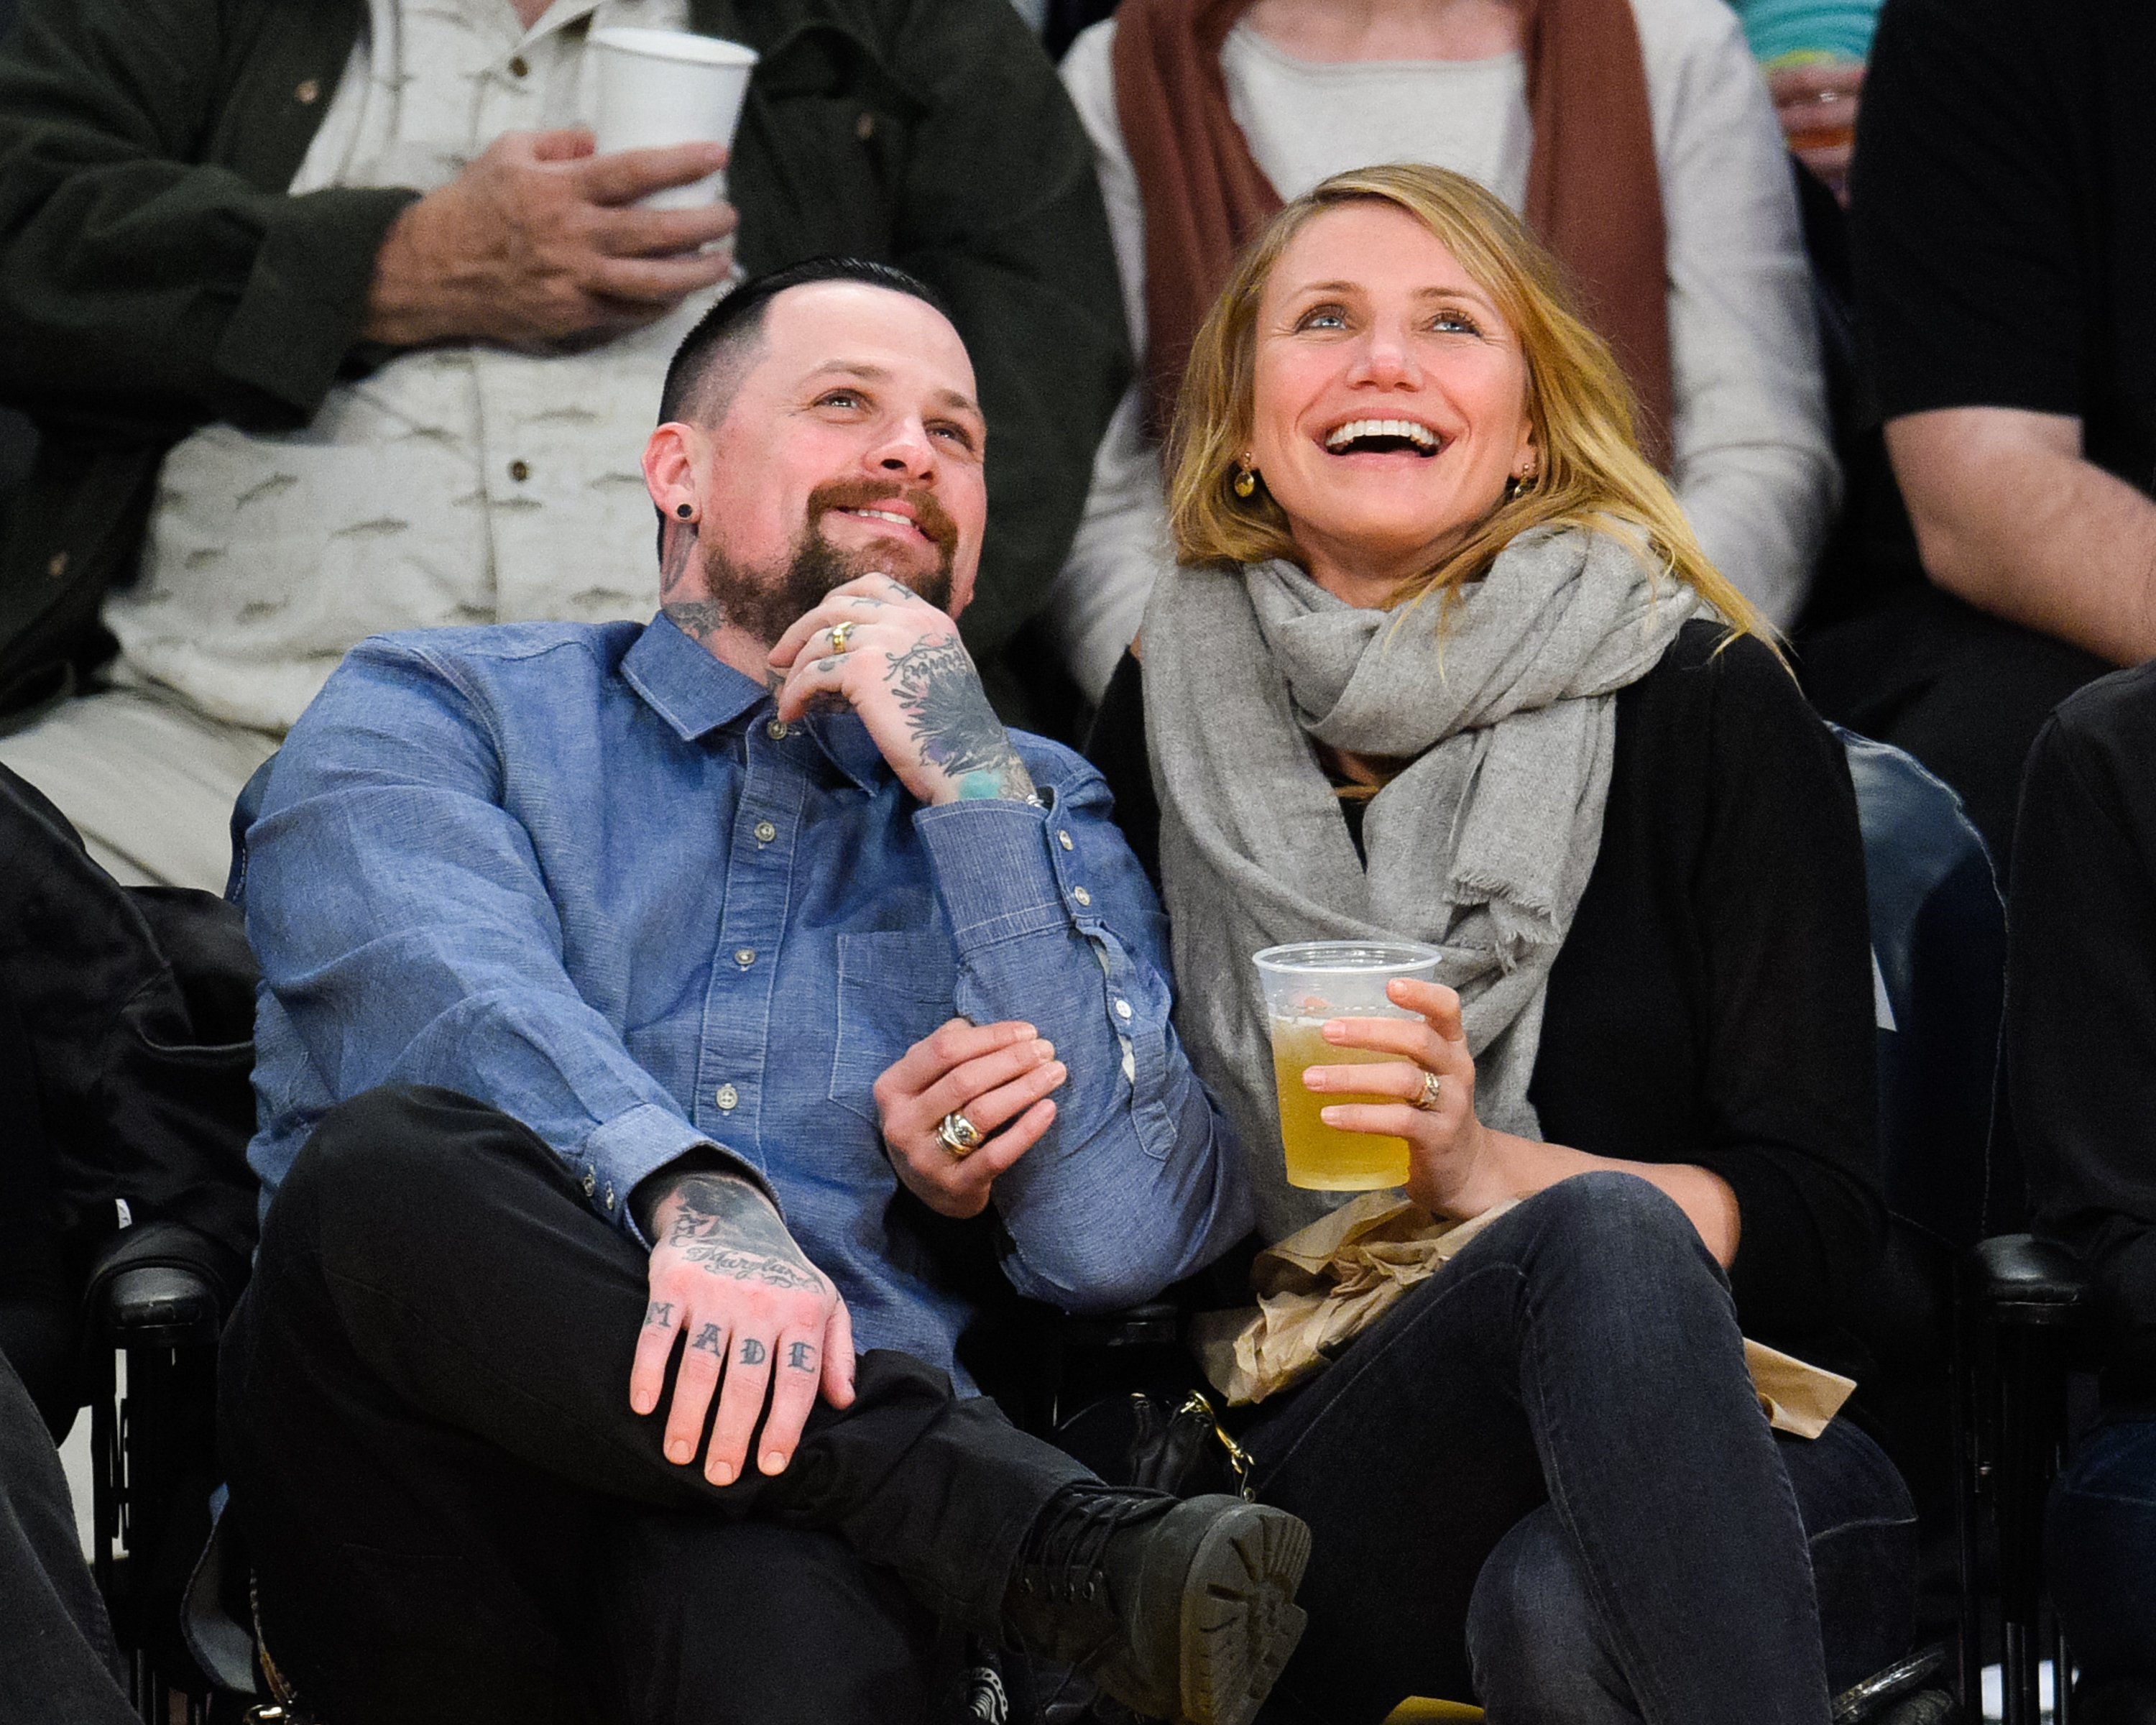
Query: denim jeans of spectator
x,y
454,1516
2100,1549
1544,1481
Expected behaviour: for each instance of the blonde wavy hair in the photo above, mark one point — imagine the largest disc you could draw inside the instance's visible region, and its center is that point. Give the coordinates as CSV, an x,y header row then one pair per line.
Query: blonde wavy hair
x,y
1590,472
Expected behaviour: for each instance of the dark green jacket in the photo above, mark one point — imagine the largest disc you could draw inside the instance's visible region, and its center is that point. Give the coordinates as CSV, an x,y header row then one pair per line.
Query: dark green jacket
x,y
156,275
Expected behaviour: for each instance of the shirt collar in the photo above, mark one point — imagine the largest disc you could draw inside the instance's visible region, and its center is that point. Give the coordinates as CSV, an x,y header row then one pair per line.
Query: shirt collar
x,y
696,693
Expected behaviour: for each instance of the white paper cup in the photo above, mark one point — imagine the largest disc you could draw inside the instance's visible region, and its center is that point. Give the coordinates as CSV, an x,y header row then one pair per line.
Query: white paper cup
x,y
662,87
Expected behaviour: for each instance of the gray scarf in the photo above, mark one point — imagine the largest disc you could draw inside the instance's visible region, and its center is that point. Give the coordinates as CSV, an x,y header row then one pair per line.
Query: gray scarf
x,y
1480,848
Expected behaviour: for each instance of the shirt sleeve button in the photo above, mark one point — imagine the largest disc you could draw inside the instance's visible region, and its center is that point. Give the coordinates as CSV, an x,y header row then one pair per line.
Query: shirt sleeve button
x,y
1081,894
1122,1009
591,1182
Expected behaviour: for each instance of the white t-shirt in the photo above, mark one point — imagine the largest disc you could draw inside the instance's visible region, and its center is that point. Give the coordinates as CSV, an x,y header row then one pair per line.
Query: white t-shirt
x,y
1755,464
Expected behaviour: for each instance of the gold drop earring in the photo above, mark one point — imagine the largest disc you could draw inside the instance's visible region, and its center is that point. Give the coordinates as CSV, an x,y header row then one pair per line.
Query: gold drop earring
x,y
1246,482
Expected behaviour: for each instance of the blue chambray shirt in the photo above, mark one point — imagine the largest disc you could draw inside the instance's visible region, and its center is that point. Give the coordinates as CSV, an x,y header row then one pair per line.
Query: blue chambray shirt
x,y
584,873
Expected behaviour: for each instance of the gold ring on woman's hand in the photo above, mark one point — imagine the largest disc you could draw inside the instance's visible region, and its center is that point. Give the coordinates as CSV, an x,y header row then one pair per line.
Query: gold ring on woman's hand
x,y
1433,1087
841,633
960,1136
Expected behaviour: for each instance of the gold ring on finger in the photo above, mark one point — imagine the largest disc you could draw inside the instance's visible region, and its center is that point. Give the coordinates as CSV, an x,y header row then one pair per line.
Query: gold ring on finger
x,y
1433,1087
841,633
959,1135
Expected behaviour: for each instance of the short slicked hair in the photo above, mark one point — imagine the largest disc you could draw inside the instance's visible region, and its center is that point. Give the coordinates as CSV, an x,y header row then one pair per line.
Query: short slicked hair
x,y
725,333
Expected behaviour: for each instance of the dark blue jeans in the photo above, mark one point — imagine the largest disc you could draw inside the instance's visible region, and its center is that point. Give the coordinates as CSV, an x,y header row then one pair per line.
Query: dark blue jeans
x,y
1544,1480
2100,1549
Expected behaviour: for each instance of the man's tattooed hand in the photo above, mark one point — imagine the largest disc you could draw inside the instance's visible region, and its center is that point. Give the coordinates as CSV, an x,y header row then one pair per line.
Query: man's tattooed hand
x,y
954,729
733,1297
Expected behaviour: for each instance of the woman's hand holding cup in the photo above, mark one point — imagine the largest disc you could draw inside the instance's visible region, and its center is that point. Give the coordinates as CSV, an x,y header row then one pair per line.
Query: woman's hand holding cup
x,y
1453,1159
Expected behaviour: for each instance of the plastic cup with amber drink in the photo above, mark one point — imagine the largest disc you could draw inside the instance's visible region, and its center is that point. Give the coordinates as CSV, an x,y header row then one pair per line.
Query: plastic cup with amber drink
x,y
1306,985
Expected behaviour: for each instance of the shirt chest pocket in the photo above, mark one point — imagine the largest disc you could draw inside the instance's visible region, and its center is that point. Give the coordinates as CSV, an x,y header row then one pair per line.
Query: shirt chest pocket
x,y
895,986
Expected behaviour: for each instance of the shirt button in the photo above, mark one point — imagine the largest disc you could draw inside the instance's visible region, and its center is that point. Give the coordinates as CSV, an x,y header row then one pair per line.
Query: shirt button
x,y
519,471
765,832
1063,840
727,1097
609,1198
591,1182
1122,1009
520,67
776,730
744,956
308,93
1081,894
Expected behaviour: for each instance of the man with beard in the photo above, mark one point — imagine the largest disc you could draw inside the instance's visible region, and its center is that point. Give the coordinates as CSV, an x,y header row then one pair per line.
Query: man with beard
x,y
647,1013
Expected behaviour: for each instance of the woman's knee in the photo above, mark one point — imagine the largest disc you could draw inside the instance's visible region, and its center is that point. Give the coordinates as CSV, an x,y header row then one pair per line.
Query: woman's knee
x,y
1614,1237
1534,1637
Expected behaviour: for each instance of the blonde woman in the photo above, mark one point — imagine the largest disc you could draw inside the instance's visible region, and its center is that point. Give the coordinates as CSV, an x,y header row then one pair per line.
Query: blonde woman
x,y
1442,660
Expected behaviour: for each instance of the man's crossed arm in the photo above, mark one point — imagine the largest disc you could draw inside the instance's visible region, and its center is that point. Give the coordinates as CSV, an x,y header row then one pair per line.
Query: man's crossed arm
x,y
758,1317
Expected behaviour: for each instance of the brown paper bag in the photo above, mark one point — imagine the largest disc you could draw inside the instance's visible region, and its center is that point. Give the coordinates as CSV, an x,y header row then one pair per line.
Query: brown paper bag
x,y
1323,1286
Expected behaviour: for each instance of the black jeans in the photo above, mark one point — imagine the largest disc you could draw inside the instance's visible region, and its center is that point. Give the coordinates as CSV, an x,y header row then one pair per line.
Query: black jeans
x,y
1544,1480
58,1665
454,1514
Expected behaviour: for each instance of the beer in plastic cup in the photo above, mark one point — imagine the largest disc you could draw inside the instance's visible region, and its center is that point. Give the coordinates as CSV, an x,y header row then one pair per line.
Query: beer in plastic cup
x,y
1305,984
662,87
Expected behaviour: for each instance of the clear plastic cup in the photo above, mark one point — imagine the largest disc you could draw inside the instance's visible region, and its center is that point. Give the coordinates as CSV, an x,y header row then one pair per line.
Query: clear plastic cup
x,y
662,87
1305,984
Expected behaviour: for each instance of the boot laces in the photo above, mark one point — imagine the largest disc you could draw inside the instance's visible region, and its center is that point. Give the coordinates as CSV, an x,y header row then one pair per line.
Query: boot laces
x,y
1064,1557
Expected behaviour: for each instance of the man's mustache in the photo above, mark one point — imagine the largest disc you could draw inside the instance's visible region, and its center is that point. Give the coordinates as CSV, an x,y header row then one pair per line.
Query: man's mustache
x,y
929,515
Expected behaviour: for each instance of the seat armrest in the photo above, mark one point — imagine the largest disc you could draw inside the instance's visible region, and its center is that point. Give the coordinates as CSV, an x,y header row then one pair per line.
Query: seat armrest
x,y
1157,1323
2023,1281
160,1306
160,1284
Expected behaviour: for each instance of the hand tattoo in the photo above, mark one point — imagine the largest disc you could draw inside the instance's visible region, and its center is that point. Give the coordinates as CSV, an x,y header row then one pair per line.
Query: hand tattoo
x,y
801,1357
660,1317
752,1352
729,1228
955,729
708,1340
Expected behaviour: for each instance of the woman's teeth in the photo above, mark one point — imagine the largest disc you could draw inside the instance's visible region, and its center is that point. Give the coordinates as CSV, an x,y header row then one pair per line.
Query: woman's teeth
x,y
1416,436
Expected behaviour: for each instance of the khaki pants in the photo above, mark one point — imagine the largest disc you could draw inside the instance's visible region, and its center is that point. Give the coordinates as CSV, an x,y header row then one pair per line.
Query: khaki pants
x,y
148,781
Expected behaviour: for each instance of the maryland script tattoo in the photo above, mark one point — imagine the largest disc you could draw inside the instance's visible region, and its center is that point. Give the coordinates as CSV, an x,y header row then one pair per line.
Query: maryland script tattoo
x,y
953,727
728,1230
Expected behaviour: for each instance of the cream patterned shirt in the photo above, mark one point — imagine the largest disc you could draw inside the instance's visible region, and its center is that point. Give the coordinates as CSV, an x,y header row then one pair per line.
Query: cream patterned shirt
x,y
455,485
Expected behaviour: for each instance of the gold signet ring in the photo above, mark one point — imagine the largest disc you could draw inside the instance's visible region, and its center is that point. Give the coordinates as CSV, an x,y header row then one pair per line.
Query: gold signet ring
x,y
1433,1086
841,633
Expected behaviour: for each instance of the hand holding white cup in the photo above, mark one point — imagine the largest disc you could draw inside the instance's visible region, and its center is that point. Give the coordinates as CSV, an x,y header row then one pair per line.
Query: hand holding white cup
x,y
662,87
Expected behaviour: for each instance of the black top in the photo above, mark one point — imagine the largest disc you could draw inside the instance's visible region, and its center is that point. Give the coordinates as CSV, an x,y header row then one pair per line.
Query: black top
x,y
2081,1000
1713,1004
2004,215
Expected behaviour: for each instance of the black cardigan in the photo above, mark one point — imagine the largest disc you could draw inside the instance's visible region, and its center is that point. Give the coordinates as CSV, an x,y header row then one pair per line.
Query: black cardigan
x,y
1713,1004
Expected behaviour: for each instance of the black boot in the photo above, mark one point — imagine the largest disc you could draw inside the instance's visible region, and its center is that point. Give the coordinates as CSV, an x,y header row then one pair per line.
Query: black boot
x,y
1182,1610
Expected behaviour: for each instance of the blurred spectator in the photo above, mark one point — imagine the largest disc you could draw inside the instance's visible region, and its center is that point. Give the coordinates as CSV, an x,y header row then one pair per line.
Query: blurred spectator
x,y
1813,53
1637,138
2003,218
2081,1067
332,328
